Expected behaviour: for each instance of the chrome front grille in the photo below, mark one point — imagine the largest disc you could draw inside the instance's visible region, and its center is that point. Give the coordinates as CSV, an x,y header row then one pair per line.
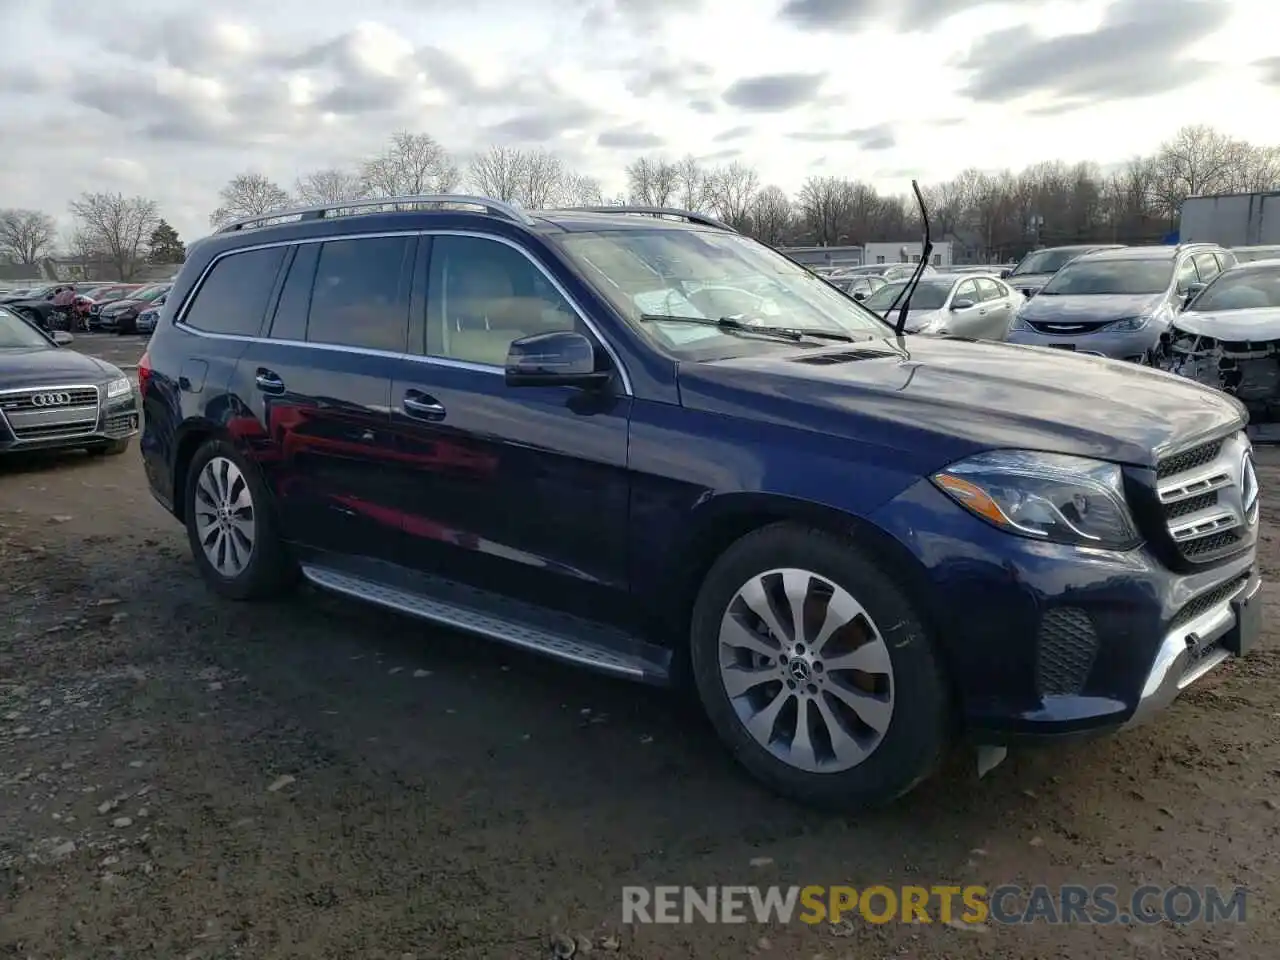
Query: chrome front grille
x,y
1209,494
52,412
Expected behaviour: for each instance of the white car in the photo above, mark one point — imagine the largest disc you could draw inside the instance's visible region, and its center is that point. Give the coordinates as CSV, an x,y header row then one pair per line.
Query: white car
x,y
960,304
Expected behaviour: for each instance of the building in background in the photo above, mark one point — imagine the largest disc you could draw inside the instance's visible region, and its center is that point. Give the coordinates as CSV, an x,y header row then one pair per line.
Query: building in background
x,y
825,258
906,252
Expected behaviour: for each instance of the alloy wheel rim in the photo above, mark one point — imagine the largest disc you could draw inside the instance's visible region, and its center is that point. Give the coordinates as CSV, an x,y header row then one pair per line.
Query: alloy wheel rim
x,y
225,519
807,670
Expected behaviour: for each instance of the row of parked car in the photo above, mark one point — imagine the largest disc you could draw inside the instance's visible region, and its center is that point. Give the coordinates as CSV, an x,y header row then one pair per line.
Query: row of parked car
x,y
1110,300
97,306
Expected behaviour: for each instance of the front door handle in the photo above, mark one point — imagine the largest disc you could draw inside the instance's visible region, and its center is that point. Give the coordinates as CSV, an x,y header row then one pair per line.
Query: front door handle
x,y
422,406
268,382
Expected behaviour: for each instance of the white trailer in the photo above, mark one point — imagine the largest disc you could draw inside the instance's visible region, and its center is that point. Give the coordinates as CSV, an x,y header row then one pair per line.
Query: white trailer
x,y
1231,219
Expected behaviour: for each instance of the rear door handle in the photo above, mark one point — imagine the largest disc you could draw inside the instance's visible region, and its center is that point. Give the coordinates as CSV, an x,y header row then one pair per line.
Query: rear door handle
x,y
268,382
423,406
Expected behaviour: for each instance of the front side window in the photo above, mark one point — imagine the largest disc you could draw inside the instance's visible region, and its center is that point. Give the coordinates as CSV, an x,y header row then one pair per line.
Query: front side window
x,y
1186,275
709,275
17,334
360,296
233,298
1106,277
482,294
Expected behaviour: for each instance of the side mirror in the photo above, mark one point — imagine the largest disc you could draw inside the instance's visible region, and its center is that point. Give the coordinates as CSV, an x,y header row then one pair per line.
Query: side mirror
x,y
61,338
859,294
560,359
1193,291
962,304
1005,274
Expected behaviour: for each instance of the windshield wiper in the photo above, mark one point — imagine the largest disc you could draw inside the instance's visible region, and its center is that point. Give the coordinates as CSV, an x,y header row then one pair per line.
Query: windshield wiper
x,y
926,249
738,326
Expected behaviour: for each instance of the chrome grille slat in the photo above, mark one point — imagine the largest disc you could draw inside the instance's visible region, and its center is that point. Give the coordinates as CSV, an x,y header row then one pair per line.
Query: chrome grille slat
x,y
1201,491
31,416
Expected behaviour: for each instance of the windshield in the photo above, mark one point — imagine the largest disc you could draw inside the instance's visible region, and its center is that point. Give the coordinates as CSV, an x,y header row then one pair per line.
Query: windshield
x,y
1100,277
930,295
17,334
149,293
1246,290
710,275
1045,261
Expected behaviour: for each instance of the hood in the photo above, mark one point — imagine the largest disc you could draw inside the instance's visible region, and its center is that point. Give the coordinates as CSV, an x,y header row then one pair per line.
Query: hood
x,y
933,400
1089,308
40,367
1259,323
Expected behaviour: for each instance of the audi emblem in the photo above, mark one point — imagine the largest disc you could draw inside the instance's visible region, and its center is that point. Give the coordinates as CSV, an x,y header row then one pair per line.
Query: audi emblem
x,y
51,399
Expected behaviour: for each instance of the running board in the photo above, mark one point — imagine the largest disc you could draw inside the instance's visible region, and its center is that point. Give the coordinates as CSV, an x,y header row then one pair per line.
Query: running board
x,y
559,636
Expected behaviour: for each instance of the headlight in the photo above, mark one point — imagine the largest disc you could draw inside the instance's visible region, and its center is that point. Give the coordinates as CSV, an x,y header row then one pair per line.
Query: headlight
x,y
1044,496
118,388
933,325
1129,323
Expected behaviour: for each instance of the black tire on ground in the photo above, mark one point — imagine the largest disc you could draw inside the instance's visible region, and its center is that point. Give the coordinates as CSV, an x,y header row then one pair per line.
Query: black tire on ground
x,y
918,733
271,572
112,448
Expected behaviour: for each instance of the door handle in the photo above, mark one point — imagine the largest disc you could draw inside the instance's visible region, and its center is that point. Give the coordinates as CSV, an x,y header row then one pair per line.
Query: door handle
x,y
268,382
422,406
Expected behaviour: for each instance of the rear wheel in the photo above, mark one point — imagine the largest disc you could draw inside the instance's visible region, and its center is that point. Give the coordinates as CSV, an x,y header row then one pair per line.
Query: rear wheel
x,y
816,670
232,529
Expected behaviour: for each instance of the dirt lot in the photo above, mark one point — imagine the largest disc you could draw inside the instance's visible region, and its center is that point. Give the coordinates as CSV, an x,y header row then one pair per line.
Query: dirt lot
x,y
186,778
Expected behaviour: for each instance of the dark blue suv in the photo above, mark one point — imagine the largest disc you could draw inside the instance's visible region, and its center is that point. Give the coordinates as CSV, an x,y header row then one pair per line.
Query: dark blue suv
x,y
637,441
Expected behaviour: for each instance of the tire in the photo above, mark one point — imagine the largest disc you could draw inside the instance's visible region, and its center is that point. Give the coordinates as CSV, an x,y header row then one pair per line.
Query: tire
x,y
112,448
902,670
266,569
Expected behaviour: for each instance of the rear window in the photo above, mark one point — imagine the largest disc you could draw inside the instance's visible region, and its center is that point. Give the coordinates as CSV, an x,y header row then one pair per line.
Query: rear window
x,y
233,298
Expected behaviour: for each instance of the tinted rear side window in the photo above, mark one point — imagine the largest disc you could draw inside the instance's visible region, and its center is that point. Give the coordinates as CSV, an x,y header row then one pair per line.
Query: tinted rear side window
x,y
360,297
295,296
233,298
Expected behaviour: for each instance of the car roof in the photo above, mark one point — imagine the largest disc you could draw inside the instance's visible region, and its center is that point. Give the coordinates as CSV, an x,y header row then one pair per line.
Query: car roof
x,y
1244,266
1134,253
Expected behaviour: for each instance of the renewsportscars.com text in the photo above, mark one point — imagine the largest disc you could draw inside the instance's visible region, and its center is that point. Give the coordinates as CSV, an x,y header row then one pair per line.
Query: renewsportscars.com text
x,y
972,904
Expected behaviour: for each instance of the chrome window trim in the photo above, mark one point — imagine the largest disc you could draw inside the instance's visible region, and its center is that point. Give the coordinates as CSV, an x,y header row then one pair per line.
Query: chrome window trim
x,y
179,319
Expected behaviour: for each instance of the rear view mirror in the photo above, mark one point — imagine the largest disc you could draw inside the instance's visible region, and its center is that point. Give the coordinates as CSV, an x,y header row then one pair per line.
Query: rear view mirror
x,y
961,304
564,358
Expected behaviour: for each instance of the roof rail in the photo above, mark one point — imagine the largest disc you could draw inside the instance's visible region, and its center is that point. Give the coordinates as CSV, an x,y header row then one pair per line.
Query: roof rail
x,y
699,218
339,208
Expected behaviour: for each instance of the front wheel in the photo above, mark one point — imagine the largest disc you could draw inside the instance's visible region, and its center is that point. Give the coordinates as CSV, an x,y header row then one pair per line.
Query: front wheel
x,y
232,529
816,669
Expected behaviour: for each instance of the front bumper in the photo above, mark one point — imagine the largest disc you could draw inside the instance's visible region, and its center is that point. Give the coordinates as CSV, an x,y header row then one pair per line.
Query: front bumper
x,y
1132,345
73,427
1046,642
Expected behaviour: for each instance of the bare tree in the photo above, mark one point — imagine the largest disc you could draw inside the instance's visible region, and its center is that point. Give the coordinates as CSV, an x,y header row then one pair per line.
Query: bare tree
x,y
692,184
248,194
26,235
824,204
117,225
730,192
652,181
771,216
413,164
331,185
499,173
580,190
543,172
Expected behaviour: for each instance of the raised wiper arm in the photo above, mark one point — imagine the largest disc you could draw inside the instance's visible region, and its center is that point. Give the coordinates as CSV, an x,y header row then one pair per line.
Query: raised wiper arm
x,y
926,249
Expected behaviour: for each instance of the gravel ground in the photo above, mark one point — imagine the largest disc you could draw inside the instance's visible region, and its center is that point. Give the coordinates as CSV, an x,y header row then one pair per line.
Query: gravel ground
x,y
182,777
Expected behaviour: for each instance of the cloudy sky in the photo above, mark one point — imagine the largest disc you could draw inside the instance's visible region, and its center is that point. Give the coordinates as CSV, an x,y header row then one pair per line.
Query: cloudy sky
x,y
169,98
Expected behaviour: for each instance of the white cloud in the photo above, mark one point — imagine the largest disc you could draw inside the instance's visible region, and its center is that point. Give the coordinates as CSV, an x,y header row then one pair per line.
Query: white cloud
x,y
173,97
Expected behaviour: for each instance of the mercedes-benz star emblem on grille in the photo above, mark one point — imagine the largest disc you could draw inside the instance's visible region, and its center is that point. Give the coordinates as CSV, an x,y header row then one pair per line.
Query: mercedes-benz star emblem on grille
x,y
51,399
1248,487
